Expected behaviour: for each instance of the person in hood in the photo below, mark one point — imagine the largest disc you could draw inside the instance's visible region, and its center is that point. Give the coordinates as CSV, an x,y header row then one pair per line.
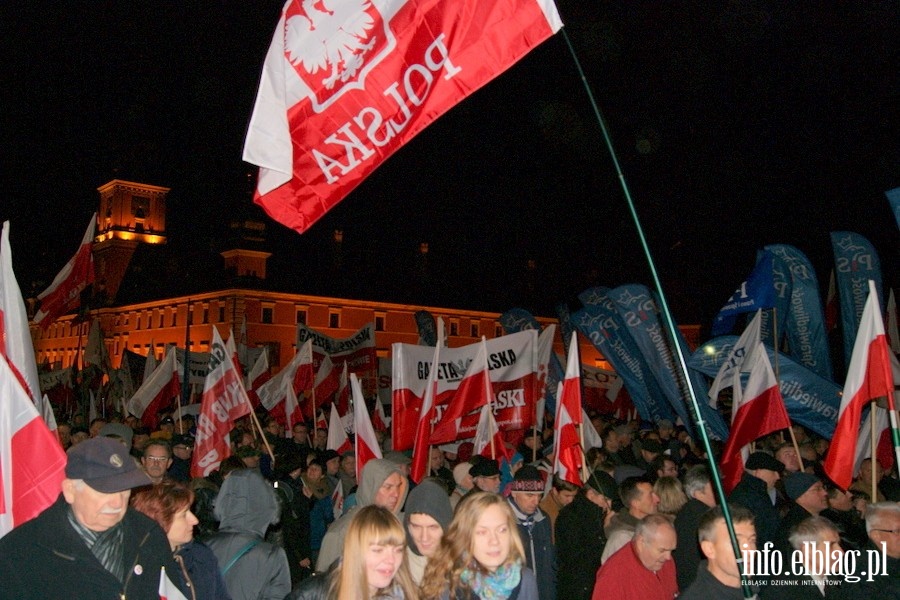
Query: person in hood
x,y
427,516
253,568
382,484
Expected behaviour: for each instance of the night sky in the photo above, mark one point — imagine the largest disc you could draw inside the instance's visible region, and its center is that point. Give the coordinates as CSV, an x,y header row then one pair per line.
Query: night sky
x,y
737,124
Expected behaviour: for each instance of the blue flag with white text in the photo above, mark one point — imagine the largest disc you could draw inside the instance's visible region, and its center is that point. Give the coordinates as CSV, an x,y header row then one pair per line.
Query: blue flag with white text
x,y
757,292
855,262
807,340
599,322
811,400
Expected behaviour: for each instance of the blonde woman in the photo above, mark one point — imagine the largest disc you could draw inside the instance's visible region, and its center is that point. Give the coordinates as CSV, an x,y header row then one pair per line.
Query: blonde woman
x,y
372,566
481,555
671,495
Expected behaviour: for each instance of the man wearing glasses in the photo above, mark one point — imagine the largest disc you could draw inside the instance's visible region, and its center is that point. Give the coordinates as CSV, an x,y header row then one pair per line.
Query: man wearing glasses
x,y
883,527
157,459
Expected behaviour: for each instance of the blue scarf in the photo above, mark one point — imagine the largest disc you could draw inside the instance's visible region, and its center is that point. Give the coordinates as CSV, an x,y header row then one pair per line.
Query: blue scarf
x,y
498,585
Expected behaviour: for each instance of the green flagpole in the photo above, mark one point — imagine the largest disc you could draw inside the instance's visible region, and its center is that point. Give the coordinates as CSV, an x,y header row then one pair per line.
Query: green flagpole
x,y
670,324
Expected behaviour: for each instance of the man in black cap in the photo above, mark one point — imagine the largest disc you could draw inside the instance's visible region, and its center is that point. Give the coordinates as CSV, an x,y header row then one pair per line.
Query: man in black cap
x,y
580,538
756,491
525,494
182,449
486,476
88,544
808,499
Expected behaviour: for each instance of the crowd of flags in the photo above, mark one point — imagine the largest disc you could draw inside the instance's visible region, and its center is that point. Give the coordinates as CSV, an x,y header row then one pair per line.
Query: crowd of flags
x,y
515,382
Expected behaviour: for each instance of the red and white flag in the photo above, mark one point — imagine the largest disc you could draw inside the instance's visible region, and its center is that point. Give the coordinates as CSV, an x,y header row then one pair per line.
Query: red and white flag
x,y
337,436
869,377
758,410
65,290
380,420
474,391
337,500
321,422
167,588
421,448
259,373
32,463
367,446
327,381
231,348
151,362
345,87
45,409
488,440
273,393
224,402
736,358
15,337
343,393
569,455
157,391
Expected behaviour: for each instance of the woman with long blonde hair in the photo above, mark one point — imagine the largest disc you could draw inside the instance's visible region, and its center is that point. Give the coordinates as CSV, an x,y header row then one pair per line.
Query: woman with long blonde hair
x,y
481,556
372,566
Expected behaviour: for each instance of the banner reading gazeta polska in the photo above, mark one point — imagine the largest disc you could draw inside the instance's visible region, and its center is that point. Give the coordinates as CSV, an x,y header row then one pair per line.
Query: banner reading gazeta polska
x,y
513,364
358,350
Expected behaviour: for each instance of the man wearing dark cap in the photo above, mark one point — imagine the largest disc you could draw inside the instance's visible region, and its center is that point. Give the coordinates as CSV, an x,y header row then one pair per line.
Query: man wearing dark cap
x,y
580,538
182,449
756,491
525,494
88,544
808,499
427,516
486,476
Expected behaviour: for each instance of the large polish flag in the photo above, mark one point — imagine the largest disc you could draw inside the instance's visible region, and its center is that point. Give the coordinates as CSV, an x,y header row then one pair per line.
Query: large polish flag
x,y
273,394
474,391
337,435
488,441
367,446
869,377
344,87
569,457
758,410
65,289
157,392
32,463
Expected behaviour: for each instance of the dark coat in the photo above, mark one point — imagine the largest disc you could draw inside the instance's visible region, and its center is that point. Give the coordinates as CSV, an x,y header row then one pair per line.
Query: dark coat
x,y
540,553
687,554
203,569
801,587
579,545
705,586
751,493
46,559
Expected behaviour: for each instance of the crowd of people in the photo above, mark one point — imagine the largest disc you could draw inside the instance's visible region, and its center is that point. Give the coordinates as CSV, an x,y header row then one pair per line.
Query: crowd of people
x,y
285,517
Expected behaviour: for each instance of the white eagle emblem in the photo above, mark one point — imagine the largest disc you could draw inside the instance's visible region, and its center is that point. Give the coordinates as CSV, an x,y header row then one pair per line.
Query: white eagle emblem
x,y
331,37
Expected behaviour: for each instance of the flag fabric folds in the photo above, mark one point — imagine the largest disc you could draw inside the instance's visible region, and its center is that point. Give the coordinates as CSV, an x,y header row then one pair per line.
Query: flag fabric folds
x,y
856,262
736,358
421,453
65,290
758,410
474,391
488,441
157,391
167,588
569,454
367,446
337,436
329,111
868,377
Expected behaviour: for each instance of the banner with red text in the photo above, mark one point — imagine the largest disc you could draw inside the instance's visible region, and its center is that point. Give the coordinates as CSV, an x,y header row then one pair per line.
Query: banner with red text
x,y
513,364
345,86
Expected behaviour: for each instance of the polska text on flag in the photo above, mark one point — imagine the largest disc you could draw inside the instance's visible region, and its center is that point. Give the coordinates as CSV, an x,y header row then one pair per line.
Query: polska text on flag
x,y
65,289
332,106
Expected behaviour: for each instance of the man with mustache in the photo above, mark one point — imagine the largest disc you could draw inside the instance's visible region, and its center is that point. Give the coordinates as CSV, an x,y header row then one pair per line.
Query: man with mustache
x,y
88,544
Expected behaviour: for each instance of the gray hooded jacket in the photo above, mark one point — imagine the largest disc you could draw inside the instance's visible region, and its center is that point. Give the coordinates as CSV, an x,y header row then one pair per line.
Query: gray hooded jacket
x,y
246,506
373,476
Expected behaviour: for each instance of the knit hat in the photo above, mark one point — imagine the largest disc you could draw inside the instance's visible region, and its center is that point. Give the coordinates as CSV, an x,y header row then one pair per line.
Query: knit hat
x,y
528,479
486,468
105,465
429,498
797,484
763,460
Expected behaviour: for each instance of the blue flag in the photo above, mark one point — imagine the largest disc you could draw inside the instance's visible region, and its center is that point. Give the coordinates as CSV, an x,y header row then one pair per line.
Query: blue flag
x,y
427,328
599,322
773,324
757,292
893,197
807,340
856,262
638,310
811,400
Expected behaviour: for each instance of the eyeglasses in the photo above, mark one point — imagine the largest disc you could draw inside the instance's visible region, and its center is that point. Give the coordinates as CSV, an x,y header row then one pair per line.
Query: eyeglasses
x,y
891,531
157,458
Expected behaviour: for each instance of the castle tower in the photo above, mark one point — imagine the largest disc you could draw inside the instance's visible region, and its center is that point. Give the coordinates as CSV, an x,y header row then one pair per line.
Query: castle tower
x,y
130,213
245,258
